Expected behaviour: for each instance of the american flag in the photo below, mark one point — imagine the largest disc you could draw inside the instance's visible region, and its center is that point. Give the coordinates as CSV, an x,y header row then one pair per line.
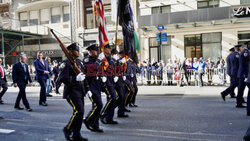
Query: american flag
x,y
101,20
99,10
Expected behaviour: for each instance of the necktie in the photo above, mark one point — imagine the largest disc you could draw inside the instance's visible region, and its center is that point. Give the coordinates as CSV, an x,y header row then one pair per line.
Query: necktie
x,y
1,69
24,67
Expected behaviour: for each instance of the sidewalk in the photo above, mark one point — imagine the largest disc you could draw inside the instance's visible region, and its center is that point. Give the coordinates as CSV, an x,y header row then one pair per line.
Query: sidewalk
x,y
186,90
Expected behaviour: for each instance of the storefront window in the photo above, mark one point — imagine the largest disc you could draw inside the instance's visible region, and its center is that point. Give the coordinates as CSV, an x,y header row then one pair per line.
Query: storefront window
x,y
193,46
211,45
208,4
243,36
161,9
154,51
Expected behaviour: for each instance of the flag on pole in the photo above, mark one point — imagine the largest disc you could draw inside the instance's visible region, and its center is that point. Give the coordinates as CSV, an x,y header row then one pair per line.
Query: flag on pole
x,y
103,38
137,44
127,23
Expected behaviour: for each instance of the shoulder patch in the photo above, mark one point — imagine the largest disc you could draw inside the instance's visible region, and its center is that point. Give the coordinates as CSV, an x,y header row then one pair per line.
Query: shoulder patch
x,y
86,60
62,66
245,54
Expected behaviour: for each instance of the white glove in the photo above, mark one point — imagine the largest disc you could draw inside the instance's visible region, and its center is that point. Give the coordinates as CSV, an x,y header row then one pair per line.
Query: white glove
x,y
101,56
124,78
80,77
116,57
132,75
116,79
46,72
104,79
123,60
89,94
245,80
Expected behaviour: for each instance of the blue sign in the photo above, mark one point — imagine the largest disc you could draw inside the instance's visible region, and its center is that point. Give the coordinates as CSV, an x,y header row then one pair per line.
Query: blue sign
x,y
160,27
162,37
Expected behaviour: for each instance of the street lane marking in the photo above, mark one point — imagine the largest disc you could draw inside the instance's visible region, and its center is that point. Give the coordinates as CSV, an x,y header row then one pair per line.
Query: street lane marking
x,y
172,137
6,131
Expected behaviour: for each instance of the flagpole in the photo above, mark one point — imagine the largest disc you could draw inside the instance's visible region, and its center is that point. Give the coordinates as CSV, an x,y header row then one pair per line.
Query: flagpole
x,y
117,22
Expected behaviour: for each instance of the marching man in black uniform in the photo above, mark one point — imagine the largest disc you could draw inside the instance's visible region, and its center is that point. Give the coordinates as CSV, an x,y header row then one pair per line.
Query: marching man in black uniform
x,y
134,84
91,69
119,84
107,113
75,87
242,74
233,66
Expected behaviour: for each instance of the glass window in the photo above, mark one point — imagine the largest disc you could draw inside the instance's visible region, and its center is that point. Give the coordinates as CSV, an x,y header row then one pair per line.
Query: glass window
x,y
65,13
208,4
107,13
243,36
34,17
193,46
44,14
161,9
211,45
90,18
55,15
23,18
154,46
155,10
244,1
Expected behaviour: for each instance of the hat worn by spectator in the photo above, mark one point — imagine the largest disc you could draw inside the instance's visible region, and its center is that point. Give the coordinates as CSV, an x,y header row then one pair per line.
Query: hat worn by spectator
x,y
73,46
92,47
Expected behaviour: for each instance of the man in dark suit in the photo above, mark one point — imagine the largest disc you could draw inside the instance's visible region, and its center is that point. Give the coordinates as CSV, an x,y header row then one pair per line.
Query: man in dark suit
x,y
42,74
3,82
21,77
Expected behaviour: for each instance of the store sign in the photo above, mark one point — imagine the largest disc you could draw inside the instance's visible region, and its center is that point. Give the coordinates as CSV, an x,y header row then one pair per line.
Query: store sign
x,y
242,12
48,52
14,53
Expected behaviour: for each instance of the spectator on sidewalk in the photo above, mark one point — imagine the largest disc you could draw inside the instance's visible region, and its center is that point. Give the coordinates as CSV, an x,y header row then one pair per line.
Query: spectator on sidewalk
x,y
170,71
210,70
201,71
3,82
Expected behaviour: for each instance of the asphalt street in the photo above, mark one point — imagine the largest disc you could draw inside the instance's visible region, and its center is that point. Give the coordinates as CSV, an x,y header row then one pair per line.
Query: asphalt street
x,y
159,117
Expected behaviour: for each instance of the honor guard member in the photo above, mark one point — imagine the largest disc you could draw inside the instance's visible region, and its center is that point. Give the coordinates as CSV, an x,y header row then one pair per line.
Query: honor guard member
x,y
107,113
242,74
92,63
75,87
248,85
119,84
134,84
127,78
233,65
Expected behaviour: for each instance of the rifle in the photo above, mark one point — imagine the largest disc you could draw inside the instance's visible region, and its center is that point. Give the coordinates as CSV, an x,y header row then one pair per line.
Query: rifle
x,y
66,52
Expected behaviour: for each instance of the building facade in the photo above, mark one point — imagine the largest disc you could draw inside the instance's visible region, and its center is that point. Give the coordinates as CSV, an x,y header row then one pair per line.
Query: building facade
x,y
195,28
37,17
